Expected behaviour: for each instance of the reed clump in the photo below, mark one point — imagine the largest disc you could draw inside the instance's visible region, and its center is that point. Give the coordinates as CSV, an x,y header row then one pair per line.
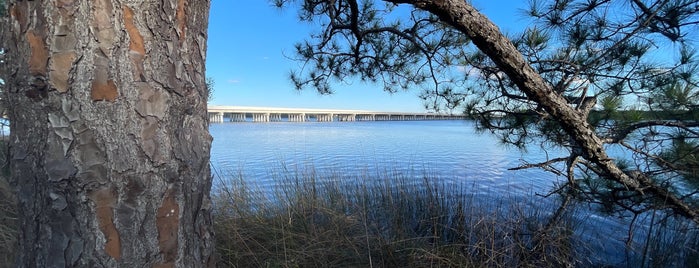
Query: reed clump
x,y
309,220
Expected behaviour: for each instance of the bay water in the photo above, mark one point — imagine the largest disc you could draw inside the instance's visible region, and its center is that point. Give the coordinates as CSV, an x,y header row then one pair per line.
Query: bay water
x,y
450,150
449,153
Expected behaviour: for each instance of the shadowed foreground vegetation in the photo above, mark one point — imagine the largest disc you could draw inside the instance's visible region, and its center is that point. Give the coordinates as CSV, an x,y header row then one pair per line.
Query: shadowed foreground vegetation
x,y
311,220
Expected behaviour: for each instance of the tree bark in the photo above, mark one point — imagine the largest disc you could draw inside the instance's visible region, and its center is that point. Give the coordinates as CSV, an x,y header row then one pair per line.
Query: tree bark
x,y
488,38
109,133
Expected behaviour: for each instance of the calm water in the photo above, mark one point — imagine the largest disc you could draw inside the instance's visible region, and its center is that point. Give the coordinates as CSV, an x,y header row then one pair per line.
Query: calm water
x,y
449,151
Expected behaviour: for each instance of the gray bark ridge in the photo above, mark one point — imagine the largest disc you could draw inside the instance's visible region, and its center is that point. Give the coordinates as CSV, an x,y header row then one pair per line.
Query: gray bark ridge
x,y
488,38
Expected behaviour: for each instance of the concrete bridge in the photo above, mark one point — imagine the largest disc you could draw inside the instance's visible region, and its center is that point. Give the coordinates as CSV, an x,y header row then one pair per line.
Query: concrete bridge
x,y
219,114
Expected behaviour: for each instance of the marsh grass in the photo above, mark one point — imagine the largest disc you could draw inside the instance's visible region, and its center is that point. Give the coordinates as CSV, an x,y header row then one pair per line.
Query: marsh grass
x,y
311,220
669,242
393,220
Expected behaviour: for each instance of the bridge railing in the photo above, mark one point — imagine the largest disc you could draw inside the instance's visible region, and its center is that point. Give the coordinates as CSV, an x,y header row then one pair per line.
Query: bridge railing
x,y
218,114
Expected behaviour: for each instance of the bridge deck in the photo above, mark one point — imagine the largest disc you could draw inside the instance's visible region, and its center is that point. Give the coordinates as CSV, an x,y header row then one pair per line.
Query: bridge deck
x,y
218,114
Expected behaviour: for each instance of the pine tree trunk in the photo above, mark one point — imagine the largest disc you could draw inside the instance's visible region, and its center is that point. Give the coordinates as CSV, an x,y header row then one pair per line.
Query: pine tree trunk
x,y
110,142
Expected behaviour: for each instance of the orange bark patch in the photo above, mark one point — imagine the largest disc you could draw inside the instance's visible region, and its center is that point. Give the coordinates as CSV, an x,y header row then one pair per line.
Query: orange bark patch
x,y
104,91
167,221
14,13
38,61
181,19
105,201
19,15
103,88
136,44
136,39
61,64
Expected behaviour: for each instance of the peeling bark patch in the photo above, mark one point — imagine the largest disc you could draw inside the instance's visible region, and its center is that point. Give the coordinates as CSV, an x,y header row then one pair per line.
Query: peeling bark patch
x,y
150,128
19,16
105,201
103,88
65,42
151,146
92,160
103,25
104,91
181,19
152,102
40,55
14,13
167,221
136,39
61,64
136,45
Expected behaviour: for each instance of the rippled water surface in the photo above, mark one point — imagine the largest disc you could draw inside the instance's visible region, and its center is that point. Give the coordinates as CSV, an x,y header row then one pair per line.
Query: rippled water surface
x,y
448,150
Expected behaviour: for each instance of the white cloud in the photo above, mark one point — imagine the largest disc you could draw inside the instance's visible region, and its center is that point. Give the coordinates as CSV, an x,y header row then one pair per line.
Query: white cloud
x,y
233,81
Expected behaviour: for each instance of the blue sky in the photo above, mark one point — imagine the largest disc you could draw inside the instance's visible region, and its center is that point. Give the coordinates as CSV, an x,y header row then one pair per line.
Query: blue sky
x,y
250,43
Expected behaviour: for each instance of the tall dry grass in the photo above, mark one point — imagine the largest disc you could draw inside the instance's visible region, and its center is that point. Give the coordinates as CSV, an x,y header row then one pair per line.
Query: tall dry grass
x,y
312,220
315,221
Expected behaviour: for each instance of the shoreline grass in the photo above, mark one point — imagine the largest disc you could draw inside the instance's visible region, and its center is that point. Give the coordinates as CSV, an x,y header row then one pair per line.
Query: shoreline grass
x,y
316,221
309,219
